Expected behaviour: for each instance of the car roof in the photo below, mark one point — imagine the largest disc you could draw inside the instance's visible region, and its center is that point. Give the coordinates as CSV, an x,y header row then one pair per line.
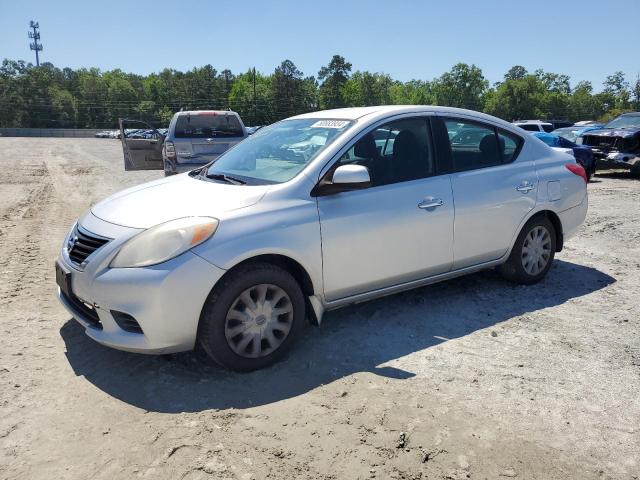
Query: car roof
x,y
382,111
206,112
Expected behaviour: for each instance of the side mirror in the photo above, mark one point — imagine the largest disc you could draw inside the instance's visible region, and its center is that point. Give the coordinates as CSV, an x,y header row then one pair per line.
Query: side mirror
x,y
351,176
344,178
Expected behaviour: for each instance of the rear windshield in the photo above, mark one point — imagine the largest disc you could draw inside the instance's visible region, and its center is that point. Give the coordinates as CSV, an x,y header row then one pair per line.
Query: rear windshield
x,y
207,125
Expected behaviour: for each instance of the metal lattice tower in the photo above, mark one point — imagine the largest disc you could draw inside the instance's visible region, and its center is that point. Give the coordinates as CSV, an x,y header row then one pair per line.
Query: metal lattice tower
x,y
35,36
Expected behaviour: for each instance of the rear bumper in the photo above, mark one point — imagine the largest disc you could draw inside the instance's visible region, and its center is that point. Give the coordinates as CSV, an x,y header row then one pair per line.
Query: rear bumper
x,y
572,218
173,166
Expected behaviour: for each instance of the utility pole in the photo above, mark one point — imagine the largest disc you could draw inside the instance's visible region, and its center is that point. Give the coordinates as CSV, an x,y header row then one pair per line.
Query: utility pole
x,y
35,36
254,95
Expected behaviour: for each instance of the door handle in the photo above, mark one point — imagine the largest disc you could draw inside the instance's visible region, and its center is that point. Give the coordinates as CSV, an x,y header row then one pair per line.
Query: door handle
x,y
525,187
430,202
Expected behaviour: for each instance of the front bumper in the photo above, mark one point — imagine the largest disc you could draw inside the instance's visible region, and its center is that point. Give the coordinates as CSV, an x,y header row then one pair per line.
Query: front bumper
x,y
612,159
166,300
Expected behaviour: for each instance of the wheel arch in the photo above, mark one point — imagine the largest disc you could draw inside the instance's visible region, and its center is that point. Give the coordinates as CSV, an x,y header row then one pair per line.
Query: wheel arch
x,y
299,273
555,221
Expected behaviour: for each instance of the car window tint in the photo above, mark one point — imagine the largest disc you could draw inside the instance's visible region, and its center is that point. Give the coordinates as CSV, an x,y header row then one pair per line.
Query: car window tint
x,y
395,152
530,127
510,144
474,145
547,128
207,125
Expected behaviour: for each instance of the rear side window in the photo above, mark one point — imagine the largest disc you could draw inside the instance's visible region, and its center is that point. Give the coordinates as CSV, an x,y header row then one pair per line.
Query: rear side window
x,y
208,125
395,152
531,127
510,145
477,145
547,128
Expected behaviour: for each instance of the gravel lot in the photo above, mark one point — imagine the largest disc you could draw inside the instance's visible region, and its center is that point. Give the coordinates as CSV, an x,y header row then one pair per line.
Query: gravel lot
x,y
472,378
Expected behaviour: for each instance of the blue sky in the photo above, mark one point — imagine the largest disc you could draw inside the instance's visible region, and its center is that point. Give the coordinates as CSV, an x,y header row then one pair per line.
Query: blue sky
x,y
586,39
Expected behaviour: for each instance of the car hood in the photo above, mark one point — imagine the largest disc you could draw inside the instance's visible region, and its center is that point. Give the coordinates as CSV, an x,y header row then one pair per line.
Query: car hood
x,y
614,132
179,196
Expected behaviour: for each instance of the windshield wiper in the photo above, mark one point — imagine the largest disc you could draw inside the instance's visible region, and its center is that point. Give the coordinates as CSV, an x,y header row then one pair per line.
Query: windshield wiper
x,y
225,178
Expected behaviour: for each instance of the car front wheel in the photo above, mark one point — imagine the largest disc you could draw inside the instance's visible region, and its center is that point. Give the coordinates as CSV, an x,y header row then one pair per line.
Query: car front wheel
x,y
252,318
533,252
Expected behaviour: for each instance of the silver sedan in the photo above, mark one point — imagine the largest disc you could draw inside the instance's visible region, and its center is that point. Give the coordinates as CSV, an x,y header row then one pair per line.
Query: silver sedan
x,y
313,213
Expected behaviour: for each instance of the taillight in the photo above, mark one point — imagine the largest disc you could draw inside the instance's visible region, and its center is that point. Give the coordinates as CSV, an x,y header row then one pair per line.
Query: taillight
x,y
170,150
577,169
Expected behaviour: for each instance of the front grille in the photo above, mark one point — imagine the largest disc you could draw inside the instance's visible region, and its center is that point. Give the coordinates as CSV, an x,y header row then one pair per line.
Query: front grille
x,y
83,243
88,313
601,141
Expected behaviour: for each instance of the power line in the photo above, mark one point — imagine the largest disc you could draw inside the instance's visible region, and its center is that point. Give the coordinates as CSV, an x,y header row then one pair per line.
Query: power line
x,y
35,36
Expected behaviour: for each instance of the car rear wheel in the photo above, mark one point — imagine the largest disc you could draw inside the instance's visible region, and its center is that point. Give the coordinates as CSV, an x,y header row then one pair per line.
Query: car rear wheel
x,y
252,318
533,252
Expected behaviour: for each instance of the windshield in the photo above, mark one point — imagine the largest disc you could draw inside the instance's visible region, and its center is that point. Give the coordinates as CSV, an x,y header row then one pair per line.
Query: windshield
x,y
277,153
207,125
568,133
625,121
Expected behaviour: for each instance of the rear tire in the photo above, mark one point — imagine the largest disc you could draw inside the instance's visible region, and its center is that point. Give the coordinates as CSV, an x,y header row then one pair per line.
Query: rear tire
x,y
252,318
533,252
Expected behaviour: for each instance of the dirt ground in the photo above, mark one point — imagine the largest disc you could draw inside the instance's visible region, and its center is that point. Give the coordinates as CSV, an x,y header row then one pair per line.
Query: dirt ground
x,y
473,378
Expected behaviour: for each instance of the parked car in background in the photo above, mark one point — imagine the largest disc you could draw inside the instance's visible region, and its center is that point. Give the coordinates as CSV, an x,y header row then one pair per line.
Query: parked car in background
x,y
617,144
574,133
312,213
583,155
588,123
198,137
534,125
542,125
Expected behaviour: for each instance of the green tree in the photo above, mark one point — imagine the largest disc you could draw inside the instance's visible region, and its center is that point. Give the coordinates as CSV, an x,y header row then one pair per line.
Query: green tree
x,y
517,72
254,109
617,86
287,86
461,87
333,77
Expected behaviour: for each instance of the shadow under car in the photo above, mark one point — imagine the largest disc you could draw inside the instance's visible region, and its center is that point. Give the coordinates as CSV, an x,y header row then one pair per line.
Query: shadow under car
x,y
358,338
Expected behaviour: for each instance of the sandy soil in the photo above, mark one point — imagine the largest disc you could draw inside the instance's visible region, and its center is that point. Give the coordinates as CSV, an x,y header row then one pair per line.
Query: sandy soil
x,y
473,378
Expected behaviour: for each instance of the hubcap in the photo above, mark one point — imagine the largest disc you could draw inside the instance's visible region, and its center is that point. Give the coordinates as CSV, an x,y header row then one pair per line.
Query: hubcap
x,y
536,250
258,321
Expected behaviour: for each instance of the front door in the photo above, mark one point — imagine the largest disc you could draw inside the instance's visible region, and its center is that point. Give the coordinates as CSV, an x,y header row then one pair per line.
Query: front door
x,y
398,230
142,147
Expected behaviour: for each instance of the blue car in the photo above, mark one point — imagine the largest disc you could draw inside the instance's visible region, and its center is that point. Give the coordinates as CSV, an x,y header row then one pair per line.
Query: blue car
x,y
583,155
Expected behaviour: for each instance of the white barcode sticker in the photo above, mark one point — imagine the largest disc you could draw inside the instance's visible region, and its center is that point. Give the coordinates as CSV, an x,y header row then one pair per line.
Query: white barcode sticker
x,y
330,124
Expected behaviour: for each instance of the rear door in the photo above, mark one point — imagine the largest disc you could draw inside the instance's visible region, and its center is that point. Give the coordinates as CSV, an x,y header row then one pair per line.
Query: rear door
x,y
493,190
143,149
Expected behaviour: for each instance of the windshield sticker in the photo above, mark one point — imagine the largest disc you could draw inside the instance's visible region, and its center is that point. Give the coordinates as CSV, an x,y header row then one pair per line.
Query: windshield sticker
x,y
330,124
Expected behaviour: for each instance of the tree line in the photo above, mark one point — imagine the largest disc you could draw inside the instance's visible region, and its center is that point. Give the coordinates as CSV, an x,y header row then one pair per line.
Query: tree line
x,y
50,97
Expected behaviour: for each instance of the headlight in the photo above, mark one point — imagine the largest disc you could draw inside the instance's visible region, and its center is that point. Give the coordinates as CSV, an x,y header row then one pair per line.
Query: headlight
x,y
164,242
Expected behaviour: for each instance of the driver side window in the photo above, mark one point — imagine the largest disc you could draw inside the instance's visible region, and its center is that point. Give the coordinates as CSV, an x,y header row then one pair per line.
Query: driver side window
x,y
395,152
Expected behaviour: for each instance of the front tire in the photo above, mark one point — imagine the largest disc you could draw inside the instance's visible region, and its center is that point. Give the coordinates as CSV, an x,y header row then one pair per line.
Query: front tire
x,y
533,252
252,318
